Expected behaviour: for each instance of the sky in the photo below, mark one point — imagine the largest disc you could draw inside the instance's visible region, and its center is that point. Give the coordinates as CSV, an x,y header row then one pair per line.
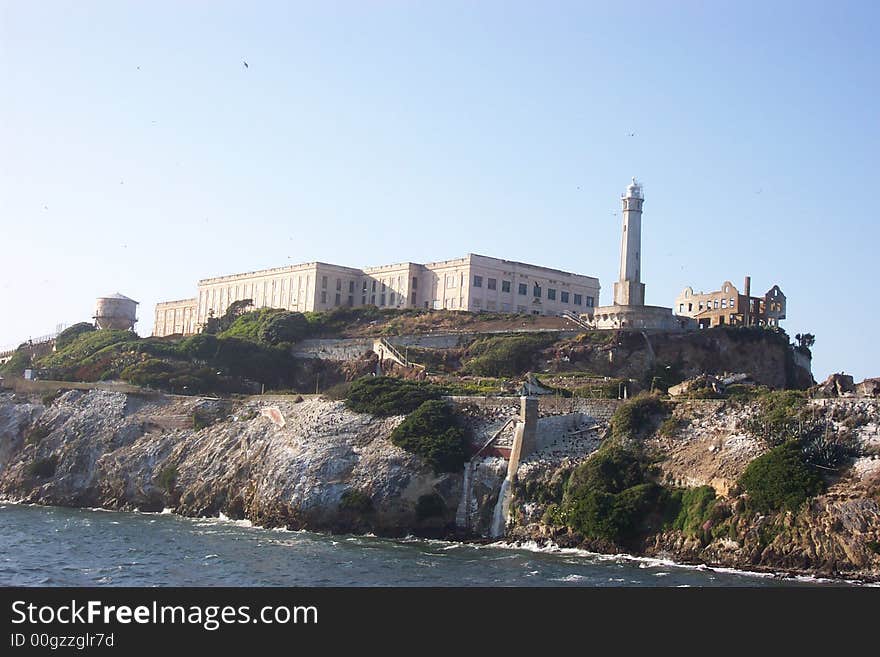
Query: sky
x,y
139,154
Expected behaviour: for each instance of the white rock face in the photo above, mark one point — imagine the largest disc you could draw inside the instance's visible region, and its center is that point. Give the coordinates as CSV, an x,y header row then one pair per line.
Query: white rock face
x,y
112,449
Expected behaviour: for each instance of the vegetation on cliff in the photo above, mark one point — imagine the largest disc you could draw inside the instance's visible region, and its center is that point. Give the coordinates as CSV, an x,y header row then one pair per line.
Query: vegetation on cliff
x,y
432,432
609,497
385,395
508,355
780,480
635,416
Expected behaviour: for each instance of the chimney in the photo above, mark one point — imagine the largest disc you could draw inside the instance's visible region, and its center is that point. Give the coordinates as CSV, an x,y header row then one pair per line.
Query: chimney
x,y
747,291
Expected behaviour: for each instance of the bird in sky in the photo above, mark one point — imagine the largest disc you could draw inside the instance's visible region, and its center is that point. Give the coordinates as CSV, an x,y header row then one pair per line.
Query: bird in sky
x,y
630,134
245,64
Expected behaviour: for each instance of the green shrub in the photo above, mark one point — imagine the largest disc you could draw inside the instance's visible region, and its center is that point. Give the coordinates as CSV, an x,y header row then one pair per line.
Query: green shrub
x,y
43,467
669,426
385,395
272,366
633,416
509,355
780,479
87,345
284,327
250,325
150,373
202,346
608,497
356,501
741,392
167,478
71,333
599,390
430,506
779,417
432,433
694,507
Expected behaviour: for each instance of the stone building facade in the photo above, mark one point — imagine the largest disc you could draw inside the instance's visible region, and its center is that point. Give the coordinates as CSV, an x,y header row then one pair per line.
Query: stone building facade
x,y
727,306
473,283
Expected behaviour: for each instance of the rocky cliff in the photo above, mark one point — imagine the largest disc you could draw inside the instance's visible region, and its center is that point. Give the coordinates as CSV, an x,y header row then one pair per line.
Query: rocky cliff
x,y
276,462
284,462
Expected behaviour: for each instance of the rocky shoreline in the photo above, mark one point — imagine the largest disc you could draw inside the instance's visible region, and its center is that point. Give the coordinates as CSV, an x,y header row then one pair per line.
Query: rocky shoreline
x,y
313,464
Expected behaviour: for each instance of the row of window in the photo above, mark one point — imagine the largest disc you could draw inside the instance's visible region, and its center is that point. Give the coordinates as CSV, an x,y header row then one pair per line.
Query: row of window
x,y
564,296
372,285
711,304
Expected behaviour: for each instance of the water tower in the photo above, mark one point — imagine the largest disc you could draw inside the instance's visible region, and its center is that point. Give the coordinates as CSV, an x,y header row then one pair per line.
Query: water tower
x,y
116,311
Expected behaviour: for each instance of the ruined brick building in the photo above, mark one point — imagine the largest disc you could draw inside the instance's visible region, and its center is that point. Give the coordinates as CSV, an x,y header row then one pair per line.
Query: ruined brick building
x,y
726,306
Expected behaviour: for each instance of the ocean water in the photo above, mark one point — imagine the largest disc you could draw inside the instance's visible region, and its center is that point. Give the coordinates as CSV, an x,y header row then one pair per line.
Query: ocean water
x,y
51,546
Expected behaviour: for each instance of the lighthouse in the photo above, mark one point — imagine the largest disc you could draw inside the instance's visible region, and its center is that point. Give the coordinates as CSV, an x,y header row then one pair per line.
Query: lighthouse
x,y
629,289
629,312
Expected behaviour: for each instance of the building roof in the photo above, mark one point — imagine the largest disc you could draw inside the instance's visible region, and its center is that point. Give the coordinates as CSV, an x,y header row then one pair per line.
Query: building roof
x,y
117,295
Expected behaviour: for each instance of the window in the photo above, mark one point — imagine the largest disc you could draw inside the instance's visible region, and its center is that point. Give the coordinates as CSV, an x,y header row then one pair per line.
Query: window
x,y
564,297
578,299
700,306
364,300
351,287
716,303
477,303
365,287
551,294
350,301
372,299
323,297
337,300
391,299
414,298
536,291
523,288
415,284
383,287
382,300
690,307
323,282
374,286
478,281
505,286
520,309
681,307
590,302
339,285
492,284
450,280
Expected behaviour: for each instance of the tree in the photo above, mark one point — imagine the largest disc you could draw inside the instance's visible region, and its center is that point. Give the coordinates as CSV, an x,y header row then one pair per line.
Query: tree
x,y
285,327
805,340
235,310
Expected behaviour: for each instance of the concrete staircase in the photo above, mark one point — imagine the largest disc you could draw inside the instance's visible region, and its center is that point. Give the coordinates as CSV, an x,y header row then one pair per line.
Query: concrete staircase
x,y
387,351
582,323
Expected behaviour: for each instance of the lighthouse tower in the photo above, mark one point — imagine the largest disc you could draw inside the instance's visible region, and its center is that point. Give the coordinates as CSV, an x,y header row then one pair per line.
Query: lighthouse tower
x,y
629,290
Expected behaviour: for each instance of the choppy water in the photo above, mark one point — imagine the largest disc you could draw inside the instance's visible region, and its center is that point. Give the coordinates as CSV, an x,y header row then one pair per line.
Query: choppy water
x,y
50,546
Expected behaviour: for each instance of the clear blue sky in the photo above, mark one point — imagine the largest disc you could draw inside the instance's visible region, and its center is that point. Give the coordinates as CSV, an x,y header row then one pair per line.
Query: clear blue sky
x,y
138,154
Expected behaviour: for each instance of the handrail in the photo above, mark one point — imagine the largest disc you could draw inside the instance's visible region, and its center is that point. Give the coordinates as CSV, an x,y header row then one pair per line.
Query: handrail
x,y
495,436
577,320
